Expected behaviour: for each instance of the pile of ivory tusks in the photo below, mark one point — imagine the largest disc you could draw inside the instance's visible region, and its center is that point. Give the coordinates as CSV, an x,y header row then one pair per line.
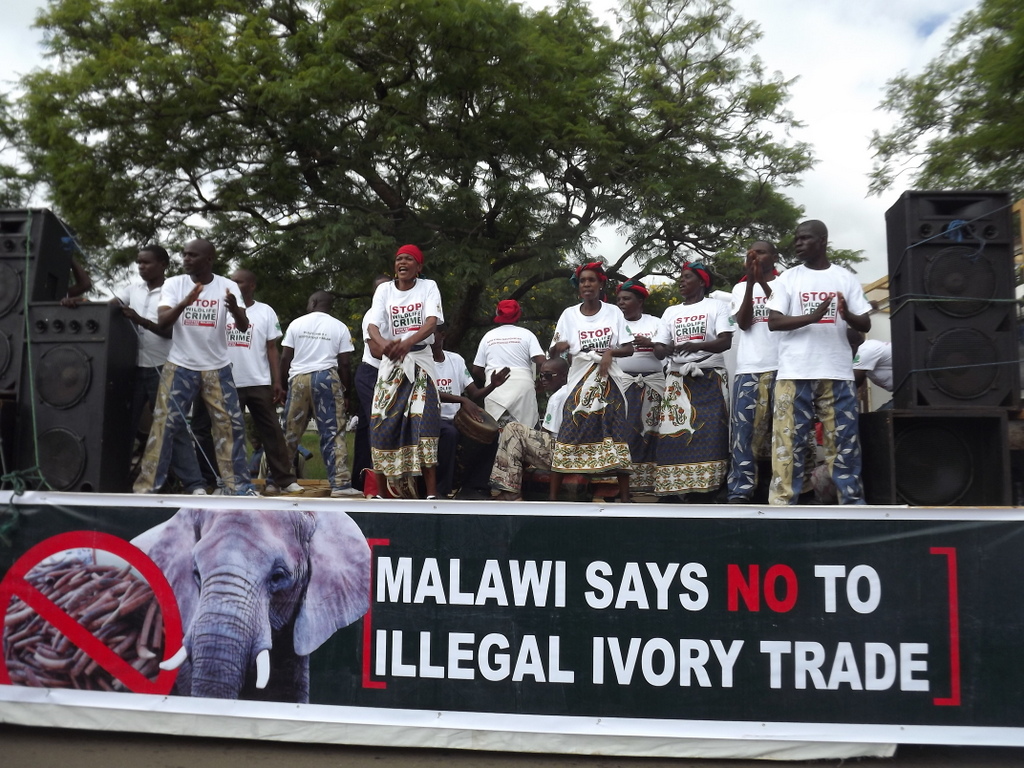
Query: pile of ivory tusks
x,y
111,603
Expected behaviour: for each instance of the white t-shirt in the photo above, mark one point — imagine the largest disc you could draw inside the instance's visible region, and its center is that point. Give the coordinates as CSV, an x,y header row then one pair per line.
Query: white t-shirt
x,y
507,346
818,351
153,349
368,358
705,320
553,414
642,360
248,350
757,348
875,357
200,341
598,332
452,379
396,313
317,339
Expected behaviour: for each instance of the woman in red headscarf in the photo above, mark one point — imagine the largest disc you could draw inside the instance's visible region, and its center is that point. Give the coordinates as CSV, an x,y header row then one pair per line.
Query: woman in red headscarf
x,y
693,432
405,416
594,431
646,385
510,346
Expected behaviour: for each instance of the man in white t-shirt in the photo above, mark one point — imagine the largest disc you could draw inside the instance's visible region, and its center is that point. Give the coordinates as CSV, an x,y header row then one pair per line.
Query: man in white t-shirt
x,y
197,305
810,307
456,389
517,349
757,361
521,446
139,304
256,366
872,361
316,365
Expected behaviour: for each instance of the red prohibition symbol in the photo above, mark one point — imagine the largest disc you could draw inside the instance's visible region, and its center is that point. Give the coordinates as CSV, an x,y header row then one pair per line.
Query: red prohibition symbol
x,y
15,584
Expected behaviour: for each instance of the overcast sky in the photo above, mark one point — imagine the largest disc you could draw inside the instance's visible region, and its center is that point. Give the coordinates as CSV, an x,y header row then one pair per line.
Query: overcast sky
x,y
843,53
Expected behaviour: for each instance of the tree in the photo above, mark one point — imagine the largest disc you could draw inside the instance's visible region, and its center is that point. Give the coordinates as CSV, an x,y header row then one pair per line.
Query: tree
x,y
961,121
312,138
15,181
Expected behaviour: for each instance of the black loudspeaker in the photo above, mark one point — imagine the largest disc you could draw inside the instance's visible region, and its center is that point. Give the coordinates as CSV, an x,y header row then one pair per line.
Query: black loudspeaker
x,y
936,458
952,306
79,382
35,265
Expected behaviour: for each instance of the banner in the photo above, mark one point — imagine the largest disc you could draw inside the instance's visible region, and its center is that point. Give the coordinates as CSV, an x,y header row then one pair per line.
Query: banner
x,y
637,625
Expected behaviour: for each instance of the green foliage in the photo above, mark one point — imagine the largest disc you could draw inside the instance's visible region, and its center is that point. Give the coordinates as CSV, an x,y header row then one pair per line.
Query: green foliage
x,y
961,121
15,182
311,138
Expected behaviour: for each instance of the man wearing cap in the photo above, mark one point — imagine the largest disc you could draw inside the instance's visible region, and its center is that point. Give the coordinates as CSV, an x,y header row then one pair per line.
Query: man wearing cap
x,y
509,346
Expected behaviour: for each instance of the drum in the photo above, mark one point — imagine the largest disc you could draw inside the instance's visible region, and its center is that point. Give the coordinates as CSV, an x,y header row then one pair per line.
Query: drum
x,y
485,432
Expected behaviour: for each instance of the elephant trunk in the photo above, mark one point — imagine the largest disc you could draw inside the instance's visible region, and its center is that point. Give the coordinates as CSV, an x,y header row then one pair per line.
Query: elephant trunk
x,y
227,637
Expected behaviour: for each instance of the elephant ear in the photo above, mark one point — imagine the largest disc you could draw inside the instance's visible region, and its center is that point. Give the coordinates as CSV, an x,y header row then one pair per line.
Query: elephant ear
x,y
338,592
169,545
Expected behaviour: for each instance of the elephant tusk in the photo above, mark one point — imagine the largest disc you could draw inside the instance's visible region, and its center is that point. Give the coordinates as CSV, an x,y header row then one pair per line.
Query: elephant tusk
x,y
175,661
262,669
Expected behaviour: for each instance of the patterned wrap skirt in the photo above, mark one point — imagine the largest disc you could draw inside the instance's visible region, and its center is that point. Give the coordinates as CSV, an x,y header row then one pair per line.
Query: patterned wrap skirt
x,y
693,433
643,406
595,428
405,416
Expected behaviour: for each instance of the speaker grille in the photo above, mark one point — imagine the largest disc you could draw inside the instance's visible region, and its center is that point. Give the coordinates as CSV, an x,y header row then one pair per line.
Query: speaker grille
x,y
63,376
963,363
10,289
61,458
963,279
934,466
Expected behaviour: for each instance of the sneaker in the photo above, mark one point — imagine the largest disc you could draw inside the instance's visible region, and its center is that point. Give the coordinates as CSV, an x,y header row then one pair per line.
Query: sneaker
x,y
249,492
199,492
271,490
292,488
346,492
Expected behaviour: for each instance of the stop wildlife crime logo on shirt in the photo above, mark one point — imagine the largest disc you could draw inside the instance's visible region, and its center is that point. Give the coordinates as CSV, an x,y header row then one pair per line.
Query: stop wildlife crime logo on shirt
x,y
202,312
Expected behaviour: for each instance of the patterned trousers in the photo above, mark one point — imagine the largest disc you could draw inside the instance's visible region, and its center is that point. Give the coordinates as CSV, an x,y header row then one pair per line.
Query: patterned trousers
x,y
322,395
518,448
797,404
178,388
752,404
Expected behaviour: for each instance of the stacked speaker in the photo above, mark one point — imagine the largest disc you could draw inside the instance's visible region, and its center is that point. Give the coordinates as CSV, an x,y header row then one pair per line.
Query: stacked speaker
x,y
68,370
953,320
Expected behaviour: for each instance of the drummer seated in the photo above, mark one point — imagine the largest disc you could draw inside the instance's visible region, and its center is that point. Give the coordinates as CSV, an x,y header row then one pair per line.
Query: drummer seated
x,y
520,446
456,389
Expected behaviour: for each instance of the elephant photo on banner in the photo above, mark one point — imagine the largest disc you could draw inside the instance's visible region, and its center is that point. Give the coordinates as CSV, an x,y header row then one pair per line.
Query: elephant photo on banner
x,y
258,592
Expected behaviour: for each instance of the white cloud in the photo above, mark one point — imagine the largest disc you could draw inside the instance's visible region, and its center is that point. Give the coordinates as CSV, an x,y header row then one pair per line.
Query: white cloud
x,y
843,54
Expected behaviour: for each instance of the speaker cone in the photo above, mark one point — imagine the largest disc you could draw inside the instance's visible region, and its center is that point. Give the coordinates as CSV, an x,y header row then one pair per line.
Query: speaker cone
x,y
10,289
63,376
934,466
963,363
61,458
962,280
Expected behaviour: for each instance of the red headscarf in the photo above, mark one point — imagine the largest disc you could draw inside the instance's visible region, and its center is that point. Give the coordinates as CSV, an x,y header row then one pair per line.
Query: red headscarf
x,y
508,311
636,287
413,251
700,271
593,266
